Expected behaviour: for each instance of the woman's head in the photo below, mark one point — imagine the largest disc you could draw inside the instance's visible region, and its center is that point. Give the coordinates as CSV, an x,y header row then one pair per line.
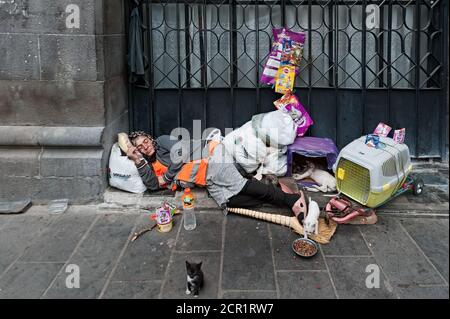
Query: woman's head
x,y
144,143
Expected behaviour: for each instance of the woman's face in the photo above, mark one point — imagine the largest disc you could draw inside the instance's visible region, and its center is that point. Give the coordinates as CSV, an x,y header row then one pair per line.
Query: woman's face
x,y
144,145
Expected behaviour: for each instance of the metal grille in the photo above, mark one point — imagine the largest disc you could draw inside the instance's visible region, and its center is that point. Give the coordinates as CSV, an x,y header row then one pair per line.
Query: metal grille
x,y
356,181
206,57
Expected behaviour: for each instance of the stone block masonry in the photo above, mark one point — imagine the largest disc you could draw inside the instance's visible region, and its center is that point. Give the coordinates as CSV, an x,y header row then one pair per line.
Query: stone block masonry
x,y
63,97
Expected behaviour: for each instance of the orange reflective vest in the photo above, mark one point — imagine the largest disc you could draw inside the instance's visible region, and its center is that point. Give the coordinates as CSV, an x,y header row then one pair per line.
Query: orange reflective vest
x,y
192,172
159,168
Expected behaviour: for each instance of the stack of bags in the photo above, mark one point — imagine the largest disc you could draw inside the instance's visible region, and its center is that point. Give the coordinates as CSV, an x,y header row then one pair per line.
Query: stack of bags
x,y
260,145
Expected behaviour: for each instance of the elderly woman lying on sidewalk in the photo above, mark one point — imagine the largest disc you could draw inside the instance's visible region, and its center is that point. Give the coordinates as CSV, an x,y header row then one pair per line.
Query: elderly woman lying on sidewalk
x,y
164,162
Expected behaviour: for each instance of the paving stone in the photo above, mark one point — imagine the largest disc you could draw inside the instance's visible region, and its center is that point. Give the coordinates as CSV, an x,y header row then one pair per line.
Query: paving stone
x,y
433,178
147,257
347,241
175,286
133,290
349,277
442,195
4,221
426,197
27,280
305,285
95,257
285,258
247,260
432,236
243,294
417,292
58,241
206,236
444,172
17,235
400,259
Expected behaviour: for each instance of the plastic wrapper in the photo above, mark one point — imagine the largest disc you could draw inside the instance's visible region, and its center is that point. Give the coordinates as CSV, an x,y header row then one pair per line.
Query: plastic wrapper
x,y
399,135
287,49
382,130
284,80
373,140
289,103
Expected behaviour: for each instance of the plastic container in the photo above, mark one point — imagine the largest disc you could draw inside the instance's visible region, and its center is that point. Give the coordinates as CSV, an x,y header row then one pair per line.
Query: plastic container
x,y
58,206
164,219
189,220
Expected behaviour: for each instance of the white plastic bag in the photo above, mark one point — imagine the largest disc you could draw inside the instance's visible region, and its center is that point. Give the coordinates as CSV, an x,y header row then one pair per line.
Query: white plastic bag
x,y
275,162
278,126
247,149
123,174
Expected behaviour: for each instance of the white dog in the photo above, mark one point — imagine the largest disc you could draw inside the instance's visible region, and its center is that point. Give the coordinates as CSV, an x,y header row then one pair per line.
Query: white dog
x,y
326,181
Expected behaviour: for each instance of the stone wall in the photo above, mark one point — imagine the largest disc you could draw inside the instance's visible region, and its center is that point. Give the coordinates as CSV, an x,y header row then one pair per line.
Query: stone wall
x,y
63,97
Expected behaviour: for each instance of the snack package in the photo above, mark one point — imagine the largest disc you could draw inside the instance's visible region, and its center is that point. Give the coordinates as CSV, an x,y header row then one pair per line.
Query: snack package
x,y
399,135
284,80
382,130
287,49
290,104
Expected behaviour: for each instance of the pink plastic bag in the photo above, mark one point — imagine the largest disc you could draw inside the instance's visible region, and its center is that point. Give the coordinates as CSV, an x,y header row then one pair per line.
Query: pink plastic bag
x,y
287,49
290,104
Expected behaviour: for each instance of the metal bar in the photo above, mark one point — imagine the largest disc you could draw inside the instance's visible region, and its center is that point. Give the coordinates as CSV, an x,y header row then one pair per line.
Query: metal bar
x,y
233,55
331,64
380,49
363,67
179,64
433,47
310,60
335,71
283,13
258,98
187,44
127,10
151,90
417,74
201,46
444,26
253,2
205,70
389,61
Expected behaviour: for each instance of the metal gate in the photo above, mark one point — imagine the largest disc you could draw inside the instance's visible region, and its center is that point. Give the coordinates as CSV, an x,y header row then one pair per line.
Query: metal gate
x,y
203,60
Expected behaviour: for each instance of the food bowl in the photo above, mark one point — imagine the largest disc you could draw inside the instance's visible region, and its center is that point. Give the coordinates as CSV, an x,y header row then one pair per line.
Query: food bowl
x,y
308,246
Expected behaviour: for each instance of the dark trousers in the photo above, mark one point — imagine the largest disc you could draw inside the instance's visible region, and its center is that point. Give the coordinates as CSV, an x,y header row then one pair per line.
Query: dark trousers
x,y
256,193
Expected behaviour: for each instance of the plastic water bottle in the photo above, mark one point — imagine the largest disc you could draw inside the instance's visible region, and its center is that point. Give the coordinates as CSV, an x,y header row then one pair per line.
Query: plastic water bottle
x,y
189,220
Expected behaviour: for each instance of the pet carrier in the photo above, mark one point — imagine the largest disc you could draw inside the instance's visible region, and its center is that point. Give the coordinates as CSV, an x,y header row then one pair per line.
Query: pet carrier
x,y
373,175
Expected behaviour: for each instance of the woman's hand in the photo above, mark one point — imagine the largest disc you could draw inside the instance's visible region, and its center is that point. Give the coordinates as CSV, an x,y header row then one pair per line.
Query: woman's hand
x,y
162,182
134,155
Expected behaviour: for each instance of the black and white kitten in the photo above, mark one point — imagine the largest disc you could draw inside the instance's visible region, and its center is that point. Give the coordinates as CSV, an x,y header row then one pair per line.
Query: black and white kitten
x,y
194,278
